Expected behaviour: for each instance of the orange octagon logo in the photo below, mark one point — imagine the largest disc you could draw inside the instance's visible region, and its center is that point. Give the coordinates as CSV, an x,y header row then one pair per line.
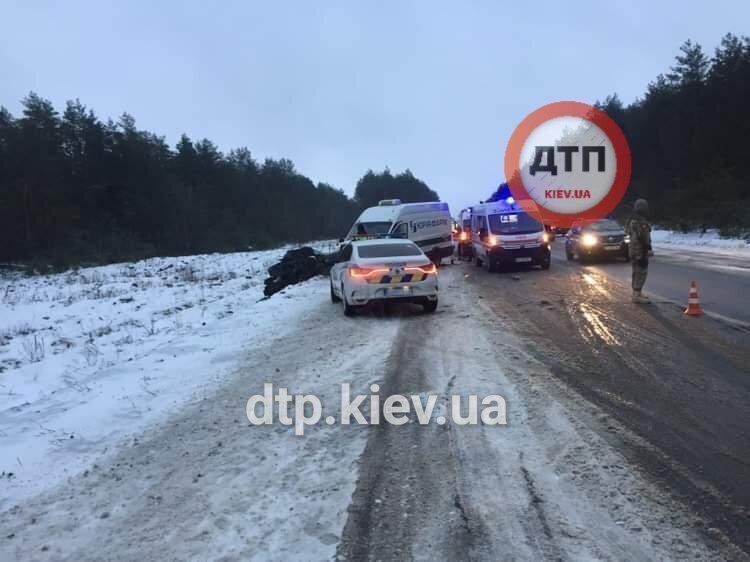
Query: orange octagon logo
x,y
569,161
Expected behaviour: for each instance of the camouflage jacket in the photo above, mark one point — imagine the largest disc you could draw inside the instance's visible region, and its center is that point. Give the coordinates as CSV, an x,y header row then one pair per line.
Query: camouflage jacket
x,y
639,232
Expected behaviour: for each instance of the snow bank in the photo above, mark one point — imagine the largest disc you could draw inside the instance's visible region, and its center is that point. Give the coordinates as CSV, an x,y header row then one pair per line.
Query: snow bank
x,y
710,241
90,356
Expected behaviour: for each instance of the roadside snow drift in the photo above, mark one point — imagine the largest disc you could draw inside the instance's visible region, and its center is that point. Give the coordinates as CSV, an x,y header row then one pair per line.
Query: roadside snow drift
x,y
90,356
709,241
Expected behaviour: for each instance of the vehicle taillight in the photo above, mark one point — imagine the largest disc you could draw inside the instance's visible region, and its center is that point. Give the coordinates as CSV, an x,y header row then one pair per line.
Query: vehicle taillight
x,y
428,268
355,271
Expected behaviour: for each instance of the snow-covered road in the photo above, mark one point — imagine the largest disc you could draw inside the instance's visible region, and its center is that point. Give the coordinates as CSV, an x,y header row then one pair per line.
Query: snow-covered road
x,y
196,481
546,486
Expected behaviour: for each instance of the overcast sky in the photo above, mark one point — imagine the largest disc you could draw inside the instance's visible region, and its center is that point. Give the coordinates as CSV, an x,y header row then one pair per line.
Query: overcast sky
x,y
340,87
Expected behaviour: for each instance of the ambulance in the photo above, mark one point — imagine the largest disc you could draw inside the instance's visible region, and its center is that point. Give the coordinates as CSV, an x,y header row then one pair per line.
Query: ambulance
x,y
463,243
428,225
503,233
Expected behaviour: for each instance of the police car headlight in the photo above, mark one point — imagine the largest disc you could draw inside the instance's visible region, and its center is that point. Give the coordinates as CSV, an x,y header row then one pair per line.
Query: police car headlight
x,y
589,240
545,237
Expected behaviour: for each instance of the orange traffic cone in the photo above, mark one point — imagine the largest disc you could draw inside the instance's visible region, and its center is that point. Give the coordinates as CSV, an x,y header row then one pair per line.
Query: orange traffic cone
x,y
693,307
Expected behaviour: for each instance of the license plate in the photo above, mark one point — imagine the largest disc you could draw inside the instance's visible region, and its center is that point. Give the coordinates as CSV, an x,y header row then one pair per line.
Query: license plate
x,y
523,260
397,291
612,247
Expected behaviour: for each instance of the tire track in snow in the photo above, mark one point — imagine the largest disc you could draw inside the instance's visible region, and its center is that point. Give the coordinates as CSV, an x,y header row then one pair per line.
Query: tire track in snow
x,y
547,486
407,480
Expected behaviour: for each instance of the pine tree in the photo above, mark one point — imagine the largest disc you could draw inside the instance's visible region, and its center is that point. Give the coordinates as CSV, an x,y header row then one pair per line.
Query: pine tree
x,y
692,65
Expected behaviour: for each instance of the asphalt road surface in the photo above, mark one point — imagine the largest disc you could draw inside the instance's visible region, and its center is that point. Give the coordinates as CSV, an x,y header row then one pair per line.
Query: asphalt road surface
x,y
681,384
723,280
548,485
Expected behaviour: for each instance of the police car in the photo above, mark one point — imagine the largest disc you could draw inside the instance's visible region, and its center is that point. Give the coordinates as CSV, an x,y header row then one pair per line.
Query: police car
x,y
383,270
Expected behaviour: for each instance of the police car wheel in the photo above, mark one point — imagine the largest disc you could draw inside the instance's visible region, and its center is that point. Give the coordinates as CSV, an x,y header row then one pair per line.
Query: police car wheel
x,y
334,297
349,310
430,306
491,265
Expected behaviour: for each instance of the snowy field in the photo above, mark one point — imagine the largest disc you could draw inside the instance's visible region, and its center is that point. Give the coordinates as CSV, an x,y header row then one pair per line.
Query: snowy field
x,y
710,241
90,356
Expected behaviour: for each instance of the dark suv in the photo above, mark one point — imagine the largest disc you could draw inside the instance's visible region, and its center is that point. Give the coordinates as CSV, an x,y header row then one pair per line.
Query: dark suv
x,y
599,239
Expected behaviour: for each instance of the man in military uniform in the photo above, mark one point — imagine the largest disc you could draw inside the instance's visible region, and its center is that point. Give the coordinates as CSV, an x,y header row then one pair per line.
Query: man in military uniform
x,y
639,231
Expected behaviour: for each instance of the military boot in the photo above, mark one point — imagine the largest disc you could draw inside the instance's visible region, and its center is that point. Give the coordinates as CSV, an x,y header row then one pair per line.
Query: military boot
x,y
638,298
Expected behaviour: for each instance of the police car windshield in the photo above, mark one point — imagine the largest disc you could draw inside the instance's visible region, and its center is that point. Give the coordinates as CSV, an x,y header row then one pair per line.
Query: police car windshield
x,y
513,223
605,225
373,228
388,250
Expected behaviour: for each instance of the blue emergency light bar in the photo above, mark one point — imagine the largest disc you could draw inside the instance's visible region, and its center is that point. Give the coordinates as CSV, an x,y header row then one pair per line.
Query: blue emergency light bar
x,y
502,193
